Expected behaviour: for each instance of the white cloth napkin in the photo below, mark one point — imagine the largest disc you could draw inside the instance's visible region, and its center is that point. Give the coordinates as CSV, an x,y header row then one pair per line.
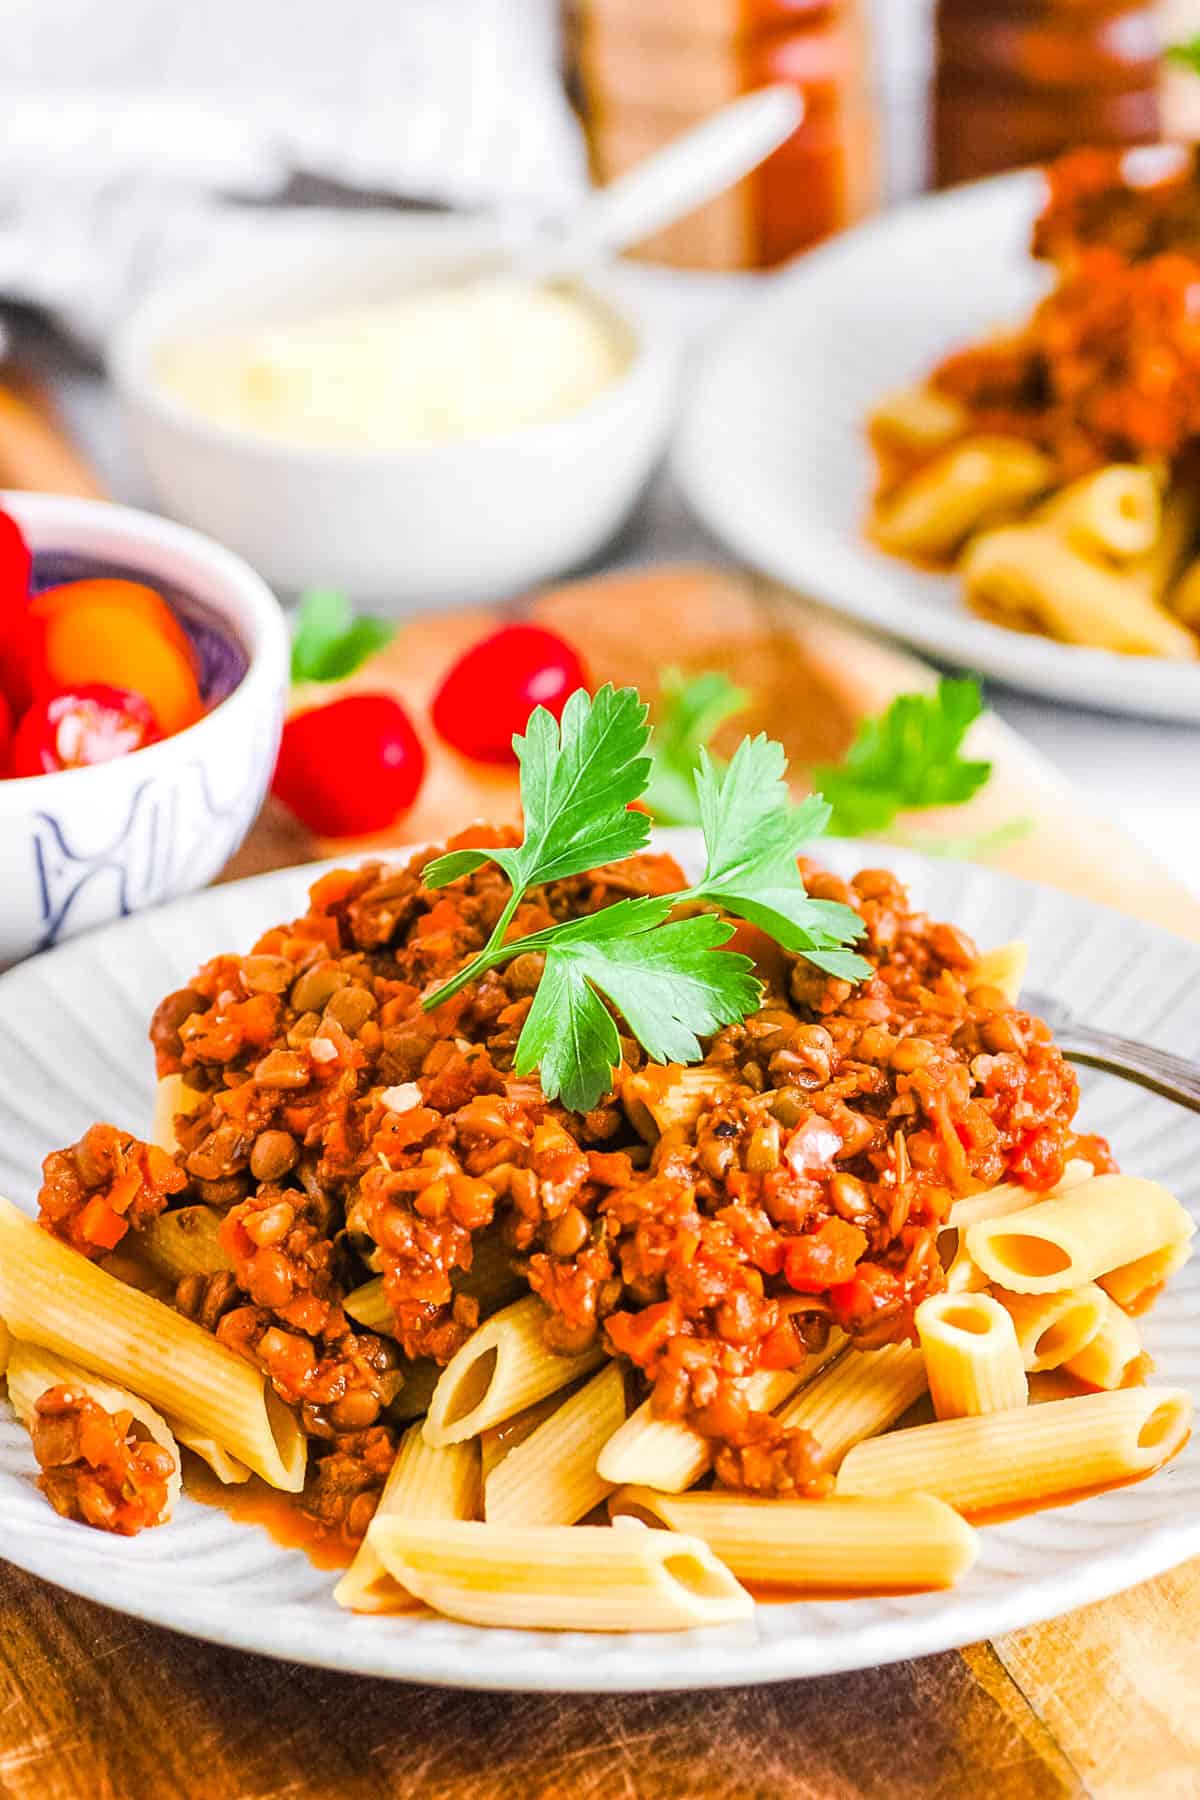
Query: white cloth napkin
x,y
135,132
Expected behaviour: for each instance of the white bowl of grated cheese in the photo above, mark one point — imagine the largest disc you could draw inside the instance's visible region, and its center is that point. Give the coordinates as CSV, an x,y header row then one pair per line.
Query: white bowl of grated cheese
x,y
358,408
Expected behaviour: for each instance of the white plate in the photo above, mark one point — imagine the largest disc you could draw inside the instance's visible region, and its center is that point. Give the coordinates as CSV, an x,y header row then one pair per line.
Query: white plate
x,y
73,1048
771,450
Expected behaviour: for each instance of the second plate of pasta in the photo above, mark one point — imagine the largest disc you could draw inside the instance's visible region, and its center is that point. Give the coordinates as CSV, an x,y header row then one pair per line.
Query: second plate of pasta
x,y
773,451
73,1047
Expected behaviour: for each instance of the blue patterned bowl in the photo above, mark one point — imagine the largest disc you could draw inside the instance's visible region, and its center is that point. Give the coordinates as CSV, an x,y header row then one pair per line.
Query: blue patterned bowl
x,y
90,845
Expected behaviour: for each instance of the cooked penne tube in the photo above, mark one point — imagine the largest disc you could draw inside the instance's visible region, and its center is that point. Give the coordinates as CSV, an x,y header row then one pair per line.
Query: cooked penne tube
x,y
1002,968
1108,1357
662,1096
1052,1328
503,1367
551,1478
998,1202
227,1469
561,1577
864,1391
185,1242
33,1371
491,1280
1184,597
973,1361
1115,511
172,1096
1027,1454
423,1484
1027,576
1135,1283
842,1543
1166,556
53,1297
497,1440
967,486
5,1346
1073,1238
667,1454
917,419
368,1305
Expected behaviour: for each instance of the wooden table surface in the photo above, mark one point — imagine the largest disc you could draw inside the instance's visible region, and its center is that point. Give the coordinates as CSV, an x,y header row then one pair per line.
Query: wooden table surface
x,y
94,1706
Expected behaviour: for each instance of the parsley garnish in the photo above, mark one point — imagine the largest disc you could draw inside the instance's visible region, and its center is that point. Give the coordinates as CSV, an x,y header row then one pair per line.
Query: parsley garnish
x,y
661,973
1186,54
329,643
905,759
692,708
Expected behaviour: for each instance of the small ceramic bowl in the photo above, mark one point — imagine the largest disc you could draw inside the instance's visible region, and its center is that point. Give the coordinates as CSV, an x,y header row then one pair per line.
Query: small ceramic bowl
x,y
442,524
89,845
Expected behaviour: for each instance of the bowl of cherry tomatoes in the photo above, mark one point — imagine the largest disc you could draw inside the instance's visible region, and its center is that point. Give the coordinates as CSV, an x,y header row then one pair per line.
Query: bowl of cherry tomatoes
x,y
143,671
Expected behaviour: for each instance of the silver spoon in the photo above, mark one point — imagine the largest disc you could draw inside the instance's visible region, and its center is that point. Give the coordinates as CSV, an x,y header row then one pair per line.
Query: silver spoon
x,y
1175,1077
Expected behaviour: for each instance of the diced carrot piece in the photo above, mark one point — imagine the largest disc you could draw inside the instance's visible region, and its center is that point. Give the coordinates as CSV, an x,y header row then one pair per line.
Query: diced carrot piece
x,y
100,1225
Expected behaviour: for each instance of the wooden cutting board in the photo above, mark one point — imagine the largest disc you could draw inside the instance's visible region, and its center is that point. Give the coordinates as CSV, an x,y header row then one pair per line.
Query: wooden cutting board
x,y
94,1706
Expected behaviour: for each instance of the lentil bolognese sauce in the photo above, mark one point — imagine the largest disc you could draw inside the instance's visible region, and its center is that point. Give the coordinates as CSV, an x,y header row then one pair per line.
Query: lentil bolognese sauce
x,y
341,1131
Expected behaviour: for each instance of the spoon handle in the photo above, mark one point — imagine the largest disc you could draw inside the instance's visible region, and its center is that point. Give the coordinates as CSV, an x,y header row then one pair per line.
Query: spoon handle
x,y
1176,1077
691,169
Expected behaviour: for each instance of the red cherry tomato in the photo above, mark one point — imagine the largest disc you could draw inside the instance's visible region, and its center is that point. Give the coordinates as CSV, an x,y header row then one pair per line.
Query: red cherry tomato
x,y
81,725
15,564
488,695
350,767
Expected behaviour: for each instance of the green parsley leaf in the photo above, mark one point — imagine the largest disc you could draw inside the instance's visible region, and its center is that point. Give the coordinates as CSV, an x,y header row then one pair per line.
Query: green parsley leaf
x,y
905,759
329,643
669,978
661,976
577,780
691,709
1187,54
753,835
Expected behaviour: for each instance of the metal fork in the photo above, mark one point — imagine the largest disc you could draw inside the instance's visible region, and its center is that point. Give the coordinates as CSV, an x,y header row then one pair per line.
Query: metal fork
x,y
1176,1077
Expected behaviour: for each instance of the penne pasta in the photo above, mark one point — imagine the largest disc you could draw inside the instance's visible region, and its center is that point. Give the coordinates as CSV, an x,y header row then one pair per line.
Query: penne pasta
x,y
185,1242
965,487
5,1346
53,1297
33,1371
668,1454
1073,1238
1028,577
999,1202
1157,570
973,1362
503,1367
1052,1328
1134,1284
1002,968
172,1096
665,1096
551,1478
227,1469
491,1280
1184,597
842,1543
423,1484
1112,1353
496,1442
1029,1454
368,1305
561,1577
864,1391
917,420
1113,512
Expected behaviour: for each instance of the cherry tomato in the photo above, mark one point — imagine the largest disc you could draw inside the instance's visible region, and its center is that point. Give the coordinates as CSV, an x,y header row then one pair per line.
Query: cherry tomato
x,y
120,633
15,564
489,693
350,767
81,725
